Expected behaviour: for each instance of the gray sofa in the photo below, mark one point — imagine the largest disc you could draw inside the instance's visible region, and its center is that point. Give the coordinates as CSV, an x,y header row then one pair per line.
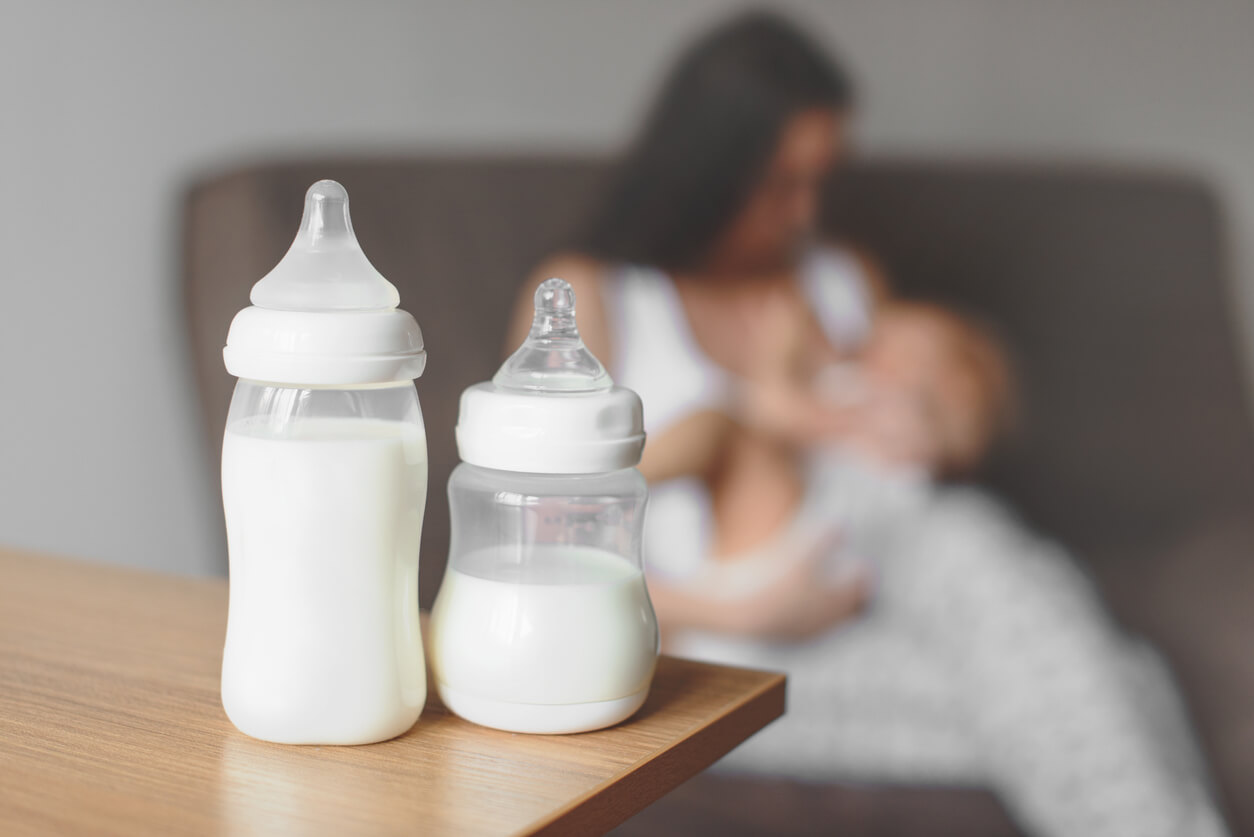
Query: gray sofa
x,y
1110,286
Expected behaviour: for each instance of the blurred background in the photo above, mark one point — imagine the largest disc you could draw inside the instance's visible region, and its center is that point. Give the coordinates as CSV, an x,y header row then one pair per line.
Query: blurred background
x,y
111,110
1097,156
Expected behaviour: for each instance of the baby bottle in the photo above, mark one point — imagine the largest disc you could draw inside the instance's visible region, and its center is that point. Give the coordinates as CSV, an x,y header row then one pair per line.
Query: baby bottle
x,y
543,623
324,482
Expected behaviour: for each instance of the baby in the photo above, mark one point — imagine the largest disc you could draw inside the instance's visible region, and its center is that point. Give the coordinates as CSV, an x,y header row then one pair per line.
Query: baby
x,y
922,400
930,391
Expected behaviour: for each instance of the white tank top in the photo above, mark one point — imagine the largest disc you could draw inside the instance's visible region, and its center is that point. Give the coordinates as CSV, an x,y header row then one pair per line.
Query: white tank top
x,y
656,354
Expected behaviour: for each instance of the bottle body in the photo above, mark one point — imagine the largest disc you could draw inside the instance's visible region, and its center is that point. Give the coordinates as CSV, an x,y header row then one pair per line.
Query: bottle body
x,y
324,491
543,622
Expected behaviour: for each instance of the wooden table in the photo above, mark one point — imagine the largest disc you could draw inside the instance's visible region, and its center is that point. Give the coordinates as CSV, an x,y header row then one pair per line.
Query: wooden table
x,y
110,723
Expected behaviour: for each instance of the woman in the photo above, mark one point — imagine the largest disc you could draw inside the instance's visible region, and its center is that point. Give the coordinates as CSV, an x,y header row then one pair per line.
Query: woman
x,y
984,658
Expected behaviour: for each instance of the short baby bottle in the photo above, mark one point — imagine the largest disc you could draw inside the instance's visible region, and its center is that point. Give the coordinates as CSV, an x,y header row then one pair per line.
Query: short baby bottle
x,y
543,623
324,482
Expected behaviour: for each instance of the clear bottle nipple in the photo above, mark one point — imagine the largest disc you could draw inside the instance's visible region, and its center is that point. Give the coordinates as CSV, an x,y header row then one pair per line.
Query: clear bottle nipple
x,y
553,358
325,268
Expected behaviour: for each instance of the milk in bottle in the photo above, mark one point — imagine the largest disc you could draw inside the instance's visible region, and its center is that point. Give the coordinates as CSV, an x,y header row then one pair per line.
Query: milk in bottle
x,y
543,622
324,478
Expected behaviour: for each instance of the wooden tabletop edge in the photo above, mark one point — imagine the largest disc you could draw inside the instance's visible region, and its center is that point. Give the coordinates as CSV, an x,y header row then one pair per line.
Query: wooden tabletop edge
x,y
712,709
683,759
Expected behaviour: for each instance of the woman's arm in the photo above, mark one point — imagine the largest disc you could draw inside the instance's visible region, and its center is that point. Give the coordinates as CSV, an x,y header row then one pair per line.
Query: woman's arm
x,y
691,447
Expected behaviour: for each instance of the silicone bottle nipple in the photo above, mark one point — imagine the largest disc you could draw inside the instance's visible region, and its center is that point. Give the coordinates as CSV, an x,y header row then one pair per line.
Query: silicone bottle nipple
x,y
553,358
325,268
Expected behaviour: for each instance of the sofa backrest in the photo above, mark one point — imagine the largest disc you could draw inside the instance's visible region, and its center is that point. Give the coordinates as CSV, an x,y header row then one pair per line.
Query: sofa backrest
x,y
1109,287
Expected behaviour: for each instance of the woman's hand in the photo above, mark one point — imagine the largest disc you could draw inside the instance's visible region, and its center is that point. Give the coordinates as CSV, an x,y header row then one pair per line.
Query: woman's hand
x,y
800,600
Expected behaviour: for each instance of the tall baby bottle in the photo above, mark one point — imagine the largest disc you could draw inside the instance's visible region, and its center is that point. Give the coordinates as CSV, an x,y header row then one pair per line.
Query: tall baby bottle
x,y
543,623
324,482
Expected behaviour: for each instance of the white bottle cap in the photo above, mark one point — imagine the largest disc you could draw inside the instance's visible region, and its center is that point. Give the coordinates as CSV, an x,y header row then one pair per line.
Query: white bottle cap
x,y
324,316
551,408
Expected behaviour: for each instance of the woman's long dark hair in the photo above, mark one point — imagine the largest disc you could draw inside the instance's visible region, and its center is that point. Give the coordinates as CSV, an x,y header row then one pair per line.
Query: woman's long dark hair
x,y
707,139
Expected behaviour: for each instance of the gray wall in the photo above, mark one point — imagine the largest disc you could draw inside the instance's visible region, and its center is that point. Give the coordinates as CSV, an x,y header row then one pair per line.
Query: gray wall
x,y
107,110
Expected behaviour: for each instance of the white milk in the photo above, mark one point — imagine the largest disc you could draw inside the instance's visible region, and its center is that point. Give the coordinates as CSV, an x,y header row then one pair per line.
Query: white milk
x,y
323,643
570,631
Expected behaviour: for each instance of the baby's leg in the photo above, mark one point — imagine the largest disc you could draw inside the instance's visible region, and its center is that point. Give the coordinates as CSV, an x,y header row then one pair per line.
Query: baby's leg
x,y
1069,743
866,703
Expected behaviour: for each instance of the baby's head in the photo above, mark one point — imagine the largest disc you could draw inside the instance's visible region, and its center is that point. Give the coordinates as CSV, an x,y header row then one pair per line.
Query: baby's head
x,y
943,380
